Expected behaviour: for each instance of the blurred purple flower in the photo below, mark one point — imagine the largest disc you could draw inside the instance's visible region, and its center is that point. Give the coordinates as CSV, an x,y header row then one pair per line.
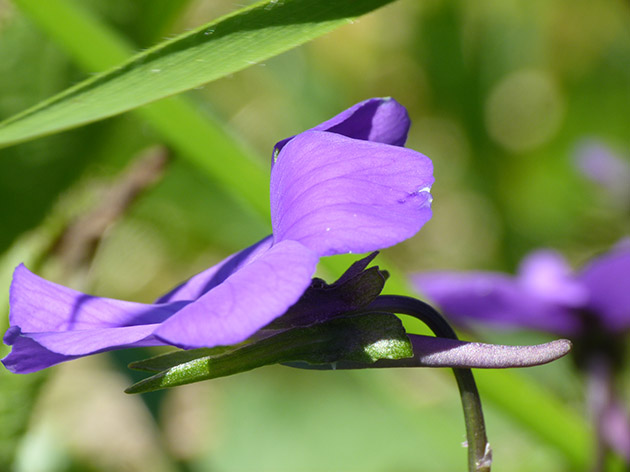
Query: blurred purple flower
x,y
544,295
345,186
592,307
597,162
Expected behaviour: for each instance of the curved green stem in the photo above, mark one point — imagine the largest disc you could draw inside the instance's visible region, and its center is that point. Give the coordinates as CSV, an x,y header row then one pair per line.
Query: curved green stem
x,y
479,452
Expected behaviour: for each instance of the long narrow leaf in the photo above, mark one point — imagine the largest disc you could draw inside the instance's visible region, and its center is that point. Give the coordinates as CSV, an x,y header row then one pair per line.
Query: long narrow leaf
x,y
195,135
212,51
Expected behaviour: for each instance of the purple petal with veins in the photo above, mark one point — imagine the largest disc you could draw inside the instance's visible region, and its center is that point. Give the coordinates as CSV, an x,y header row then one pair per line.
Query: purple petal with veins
x,y
338,195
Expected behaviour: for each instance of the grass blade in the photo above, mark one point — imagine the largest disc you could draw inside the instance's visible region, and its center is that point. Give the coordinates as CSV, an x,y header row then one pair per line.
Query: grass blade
x,y
212,51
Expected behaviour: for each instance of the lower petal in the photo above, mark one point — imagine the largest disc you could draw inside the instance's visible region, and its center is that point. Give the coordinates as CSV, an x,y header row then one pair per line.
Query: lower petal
x,y
31,352
85,342
38,305
27,356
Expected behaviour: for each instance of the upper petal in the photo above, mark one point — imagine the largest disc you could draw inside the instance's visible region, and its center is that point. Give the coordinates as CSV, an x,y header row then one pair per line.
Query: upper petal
x,y
494,298
382,120
199,284
338,195
246,301
608,281
38,305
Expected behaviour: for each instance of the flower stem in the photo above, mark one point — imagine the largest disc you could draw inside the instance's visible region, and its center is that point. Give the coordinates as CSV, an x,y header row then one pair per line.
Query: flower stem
x,y
609,416
479,452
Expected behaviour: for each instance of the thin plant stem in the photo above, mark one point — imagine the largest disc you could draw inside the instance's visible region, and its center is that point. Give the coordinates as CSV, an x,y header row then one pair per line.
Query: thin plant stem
x,y
479,452
610,419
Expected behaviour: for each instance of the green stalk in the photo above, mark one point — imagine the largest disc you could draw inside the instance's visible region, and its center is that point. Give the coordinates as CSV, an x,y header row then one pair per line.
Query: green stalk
x,y
479,452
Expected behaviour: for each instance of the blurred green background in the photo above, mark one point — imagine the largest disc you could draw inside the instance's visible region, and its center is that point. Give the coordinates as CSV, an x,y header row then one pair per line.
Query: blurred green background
x,y
501,95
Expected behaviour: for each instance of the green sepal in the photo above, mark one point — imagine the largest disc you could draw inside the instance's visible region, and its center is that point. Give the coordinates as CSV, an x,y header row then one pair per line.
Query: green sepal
x,y
175,358
364,339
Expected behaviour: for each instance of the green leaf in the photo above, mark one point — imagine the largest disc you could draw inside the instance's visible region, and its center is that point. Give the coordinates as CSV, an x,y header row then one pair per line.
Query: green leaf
x,y
364,339
195,135
212,51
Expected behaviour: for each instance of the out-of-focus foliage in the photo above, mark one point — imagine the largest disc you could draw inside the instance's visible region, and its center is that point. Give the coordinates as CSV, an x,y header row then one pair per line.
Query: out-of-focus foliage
x,y
500,93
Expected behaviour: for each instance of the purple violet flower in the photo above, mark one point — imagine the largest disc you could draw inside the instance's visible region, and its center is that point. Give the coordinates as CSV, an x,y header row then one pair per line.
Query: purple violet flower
x,y
544,296
344,186
591,307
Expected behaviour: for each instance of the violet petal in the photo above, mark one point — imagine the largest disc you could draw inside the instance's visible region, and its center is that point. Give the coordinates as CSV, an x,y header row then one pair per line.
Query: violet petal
x,y
246,301
615,427
199,284
35,351
89,341
493,298
382,120
600,164
608,281
27,356
547,274
38,305
339,195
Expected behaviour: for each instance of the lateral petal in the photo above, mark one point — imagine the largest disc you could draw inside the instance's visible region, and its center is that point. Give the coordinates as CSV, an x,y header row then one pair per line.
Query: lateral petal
x,y
27,356
246,301
199,284
31,352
